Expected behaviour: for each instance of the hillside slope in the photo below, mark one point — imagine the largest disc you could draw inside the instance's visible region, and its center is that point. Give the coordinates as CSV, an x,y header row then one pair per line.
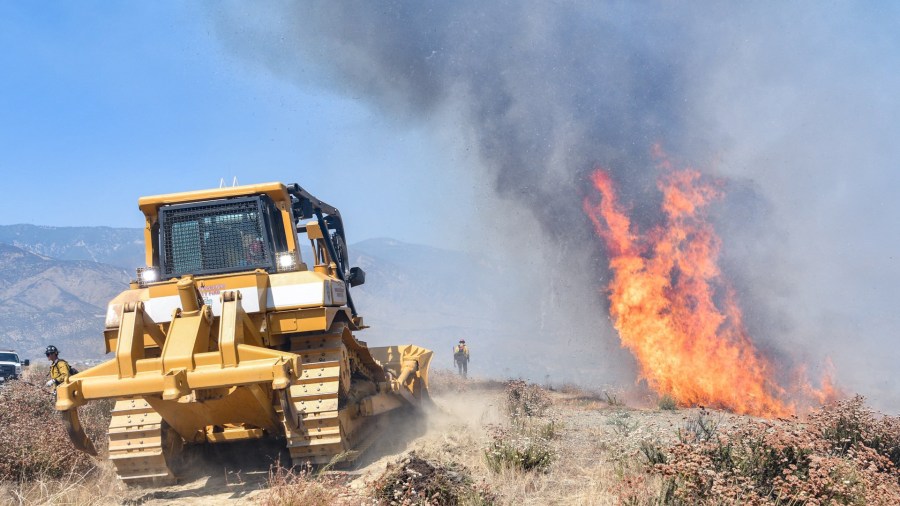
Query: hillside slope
x,y
50,301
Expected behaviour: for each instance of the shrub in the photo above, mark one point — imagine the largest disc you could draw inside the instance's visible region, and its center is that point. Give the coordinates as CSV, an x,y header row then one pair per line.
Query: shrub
x,y
613,398
34,438
653,451
849,424
701,427
667,403
843,456
622,423
525,400
517,449
548,431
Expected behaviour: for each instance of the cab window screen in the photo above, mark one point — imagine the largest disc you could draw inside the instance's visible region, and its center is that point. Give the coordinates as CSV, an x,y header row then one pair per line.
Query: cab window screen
x,y
186,247
207,239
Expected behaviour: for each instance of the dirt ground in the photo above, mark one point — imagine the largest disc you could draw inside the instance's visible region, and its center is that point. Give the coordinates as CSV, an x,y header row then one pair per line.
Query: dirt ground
x,y
237,473
597,445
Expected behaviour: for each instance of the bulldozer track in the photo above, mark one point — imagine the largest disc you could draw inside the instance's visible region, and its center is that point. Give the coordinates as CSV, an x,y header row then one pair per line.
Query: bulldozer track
x,y
331,429
330,426
138,443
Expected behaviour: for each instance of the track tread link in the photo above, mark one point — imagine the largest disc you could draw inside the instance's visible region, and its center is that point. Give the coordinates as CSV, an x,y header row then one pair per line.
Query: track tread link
x,y
329,428
136,439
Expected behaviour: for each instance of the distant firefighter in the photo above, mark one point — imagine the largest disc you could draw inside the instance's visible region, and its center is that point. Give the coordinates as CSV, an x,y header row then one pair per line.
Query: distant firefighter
x,y
60,370
461,357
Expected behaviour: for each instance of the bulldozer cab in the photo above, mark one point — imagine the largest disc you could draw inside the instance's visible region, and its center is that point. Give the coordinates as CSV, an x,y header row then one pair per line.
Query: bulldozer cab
x,y
220,237
240,229
221,231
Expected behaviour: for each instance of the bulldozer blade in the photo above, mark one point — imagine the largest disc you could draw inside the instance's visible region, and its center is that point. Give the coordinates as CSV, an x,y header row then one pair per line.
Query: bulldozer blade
x,y
80,440
291,417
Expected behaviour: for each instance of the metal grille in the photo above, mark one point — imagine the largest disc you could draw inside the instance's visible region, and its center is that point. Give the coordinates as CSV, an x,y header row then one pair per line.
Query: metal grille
x,y
222,237
7,370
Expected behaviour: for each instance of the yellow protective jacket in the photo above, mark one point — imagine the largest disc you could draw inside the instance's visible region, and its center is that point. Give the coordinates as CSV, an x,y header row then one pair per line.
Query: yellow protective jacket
x,y
461,352
59,371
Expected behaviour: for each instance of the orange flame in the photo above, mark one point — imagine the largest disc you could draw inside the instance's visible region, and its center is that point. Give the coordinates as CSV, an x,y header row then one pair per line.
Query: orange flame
x,y
672,307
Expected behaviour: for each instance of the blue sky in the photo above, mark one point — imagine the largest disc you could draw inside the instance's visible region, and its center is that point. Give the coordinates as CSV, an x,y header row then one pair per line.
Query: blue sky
x,y
103,102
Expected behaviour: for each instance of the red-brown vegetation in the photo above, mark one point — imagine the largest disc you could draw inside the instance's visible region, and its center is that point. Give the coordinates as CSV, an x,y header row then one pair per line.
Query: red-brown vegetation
x,y
844,454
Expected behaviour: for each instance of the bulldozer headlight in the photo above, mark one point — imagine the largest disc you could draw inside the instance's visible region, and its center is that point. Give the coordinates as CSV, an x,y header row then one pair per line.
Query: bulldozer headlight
x,y
147,275
287,262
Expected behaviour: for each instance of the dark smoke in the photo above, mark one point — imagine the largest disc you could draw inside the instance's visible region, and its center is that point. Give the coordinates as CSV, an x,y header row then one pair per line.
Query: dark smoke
x,y
548,90
777,99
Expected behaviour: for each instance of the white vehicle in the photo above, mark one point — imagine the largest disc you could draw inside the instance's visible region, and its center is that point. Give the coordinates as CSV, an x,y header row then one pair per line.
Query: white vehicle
x,y
10,365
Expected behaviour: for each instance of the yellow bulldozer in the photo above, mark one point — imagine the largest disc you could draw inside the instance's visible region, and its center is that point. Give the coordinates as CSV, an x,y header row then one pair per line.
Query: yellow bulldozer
x,y
227,334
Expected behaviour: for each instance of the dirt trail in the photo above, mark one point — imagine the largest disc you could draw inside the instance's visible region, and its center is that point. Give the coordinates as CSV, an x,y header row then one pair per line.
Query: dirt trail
x,y
221,475
453,415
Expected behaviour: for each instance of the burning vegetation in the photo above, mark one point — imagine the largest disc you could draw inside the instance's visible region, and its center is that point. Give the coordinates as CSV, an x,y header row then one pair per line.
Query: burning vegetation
x,y
674,309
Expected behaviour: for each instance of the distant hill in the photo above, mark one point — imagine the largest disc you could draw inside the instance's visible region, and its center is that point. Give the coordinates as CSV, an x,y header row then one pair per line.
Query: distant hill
x,y
122,247
50,301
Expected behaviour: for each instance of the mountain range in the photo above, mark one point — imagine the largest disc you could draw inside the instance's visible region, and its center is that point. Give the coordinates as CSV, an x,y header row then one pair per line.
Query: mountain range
x,y
122,247
46,300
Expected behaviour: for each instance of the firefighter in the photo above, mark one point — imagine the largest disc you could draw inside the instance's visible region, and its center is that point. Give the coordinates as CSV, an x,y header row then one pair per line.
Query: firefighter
x,y
461,357
59,368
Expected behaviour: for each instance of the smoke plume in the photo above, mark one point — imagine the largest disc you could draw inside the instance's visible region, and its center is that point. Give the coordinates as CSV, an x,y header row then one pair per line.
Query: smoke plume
x,y
794,106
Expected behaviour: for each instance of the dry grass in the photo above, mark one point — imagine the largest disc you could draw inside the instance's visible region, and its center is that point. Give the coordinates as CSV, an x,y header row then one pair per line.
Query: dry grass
x,y
39,464
302,487
35,438
613,397
570,478
99,487
582,400
590,398
567,388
